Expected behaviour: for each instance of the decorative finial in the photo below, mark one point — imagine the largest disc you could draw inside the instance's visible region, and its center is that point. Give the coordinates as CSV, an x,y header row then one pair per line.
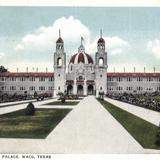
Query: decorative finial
x,y
101,33
134,69
82,39
59,33
154,69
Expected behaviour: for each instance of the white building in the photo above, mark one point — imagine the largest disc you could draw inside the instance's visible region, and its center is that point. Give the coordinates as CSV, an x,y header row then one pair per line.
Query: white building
x,y
82,76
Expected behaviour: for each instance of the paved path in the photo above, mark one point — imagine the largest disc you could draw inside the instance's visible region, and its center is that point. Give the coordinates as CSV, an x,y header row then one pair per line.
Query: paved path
x,y
9,109
88,128
146,114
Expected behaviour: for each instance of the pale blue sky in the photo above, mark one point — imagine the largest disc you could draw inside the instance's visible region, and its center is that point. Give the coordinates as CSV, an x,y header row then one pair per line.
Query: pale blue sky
x,y
133,35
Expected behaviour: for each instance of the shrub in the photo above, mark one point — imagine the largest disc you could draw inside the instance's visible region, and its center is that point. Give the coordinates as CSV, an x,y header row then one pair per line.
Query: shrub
x,y
63,99
30,109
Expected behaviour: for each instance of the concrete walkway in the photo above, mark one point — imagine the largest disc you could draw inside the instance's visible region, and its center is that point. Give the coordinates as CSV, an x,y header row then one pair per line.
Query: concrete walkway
x,y
37,104
88,128
146,114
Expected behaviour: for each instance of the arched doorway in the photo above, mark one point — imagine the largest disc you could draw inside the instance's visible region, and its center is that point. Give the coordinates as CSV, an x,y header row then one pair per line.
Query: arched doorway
x,y
69,89
80,90
90,89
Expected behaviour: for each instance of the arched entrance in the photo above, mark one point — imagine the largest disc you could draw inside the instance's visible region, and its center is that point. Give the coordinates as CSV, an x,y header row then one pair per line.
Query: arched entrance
x,y
69,89
90,89
80,90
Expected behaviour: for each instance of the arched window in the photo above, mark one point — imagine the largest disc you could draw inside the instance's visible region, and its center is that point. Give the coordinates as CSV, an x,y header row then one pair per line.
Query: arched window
x,y
59,62
80,78
101,62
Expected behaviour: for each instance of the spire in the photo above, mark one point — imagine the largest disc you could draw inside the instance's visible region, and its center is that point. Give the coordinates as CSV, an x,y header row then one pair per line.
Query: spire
x,y
82,39
81,47
60,40
101,40
100,33
59,33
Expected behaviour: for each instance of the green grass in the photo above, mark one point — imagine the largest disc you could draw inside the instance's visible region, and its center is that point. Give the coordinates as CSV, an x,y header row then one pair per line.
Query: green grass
x,y
143,131
18,125
60,103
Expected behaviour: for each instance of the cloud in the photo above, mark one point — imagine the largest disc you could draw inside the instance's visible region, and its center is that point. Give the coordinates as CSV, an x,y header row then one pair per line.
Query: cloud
x,y
154,47
2,54
18,47
114,45
45,36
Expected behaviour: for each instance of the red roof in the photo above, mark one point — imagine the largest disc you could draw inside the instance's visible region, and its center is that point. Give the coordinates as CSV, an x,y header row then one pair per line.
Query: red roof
x,y
73,58
101,40
25,74
60,40
122,74
51,74
81,58
90,60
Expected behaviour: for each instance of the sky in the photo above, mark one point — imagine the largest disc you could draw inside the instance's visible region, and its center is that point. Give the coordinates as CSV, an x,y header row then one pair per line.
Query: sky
x,y
28,36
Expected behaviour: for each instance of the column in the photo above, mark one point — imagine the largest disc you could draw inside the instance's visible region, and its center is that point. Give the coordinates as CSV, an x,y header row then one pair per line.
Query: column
x,y
85,88
74,88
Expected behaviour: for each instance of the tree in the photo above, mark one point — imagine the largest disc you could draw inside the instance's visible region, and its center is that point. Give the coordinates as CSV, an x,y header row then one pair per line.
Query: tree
x,y
30,109
3,69
63,98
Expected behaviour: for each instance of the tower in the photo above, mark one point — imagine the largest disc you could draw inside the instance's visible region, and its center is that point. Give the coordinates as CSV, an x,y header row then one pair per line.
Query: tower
x,y
101,66
59,66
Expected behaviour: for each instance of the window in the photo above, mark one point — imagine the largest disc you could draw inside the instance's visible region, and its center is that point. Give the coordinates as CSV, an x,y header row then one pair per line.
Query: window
x,y
12,88
139,88
51,79
41,88
80,78
59,62
32,88
119,79
139,79
3,88
2,78
22,79
32,78
22,88
50,88
42,79
149,79
101,62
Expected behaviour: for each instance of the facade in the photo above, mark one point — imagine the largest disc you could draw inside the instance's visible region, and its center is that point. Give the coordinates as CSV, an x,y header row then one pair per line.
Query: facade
x,y
82,76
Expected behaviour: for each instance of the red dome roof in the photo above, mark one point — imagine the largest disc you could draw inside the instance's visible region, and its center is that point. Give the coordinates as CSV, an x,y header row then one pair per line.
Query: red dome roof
x,y
59,40
101,40
81,57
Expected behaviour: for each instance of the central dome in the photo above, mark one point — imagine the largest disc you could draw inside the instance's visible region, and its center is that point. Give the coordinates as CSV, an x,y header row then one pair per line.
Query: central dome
x,y
81,57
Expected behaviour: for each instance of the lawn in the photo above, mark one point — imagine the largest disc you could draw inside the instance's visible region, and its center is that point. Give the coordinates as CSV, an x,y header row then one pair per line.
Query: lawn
x,y
18,125
143,131
68,103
